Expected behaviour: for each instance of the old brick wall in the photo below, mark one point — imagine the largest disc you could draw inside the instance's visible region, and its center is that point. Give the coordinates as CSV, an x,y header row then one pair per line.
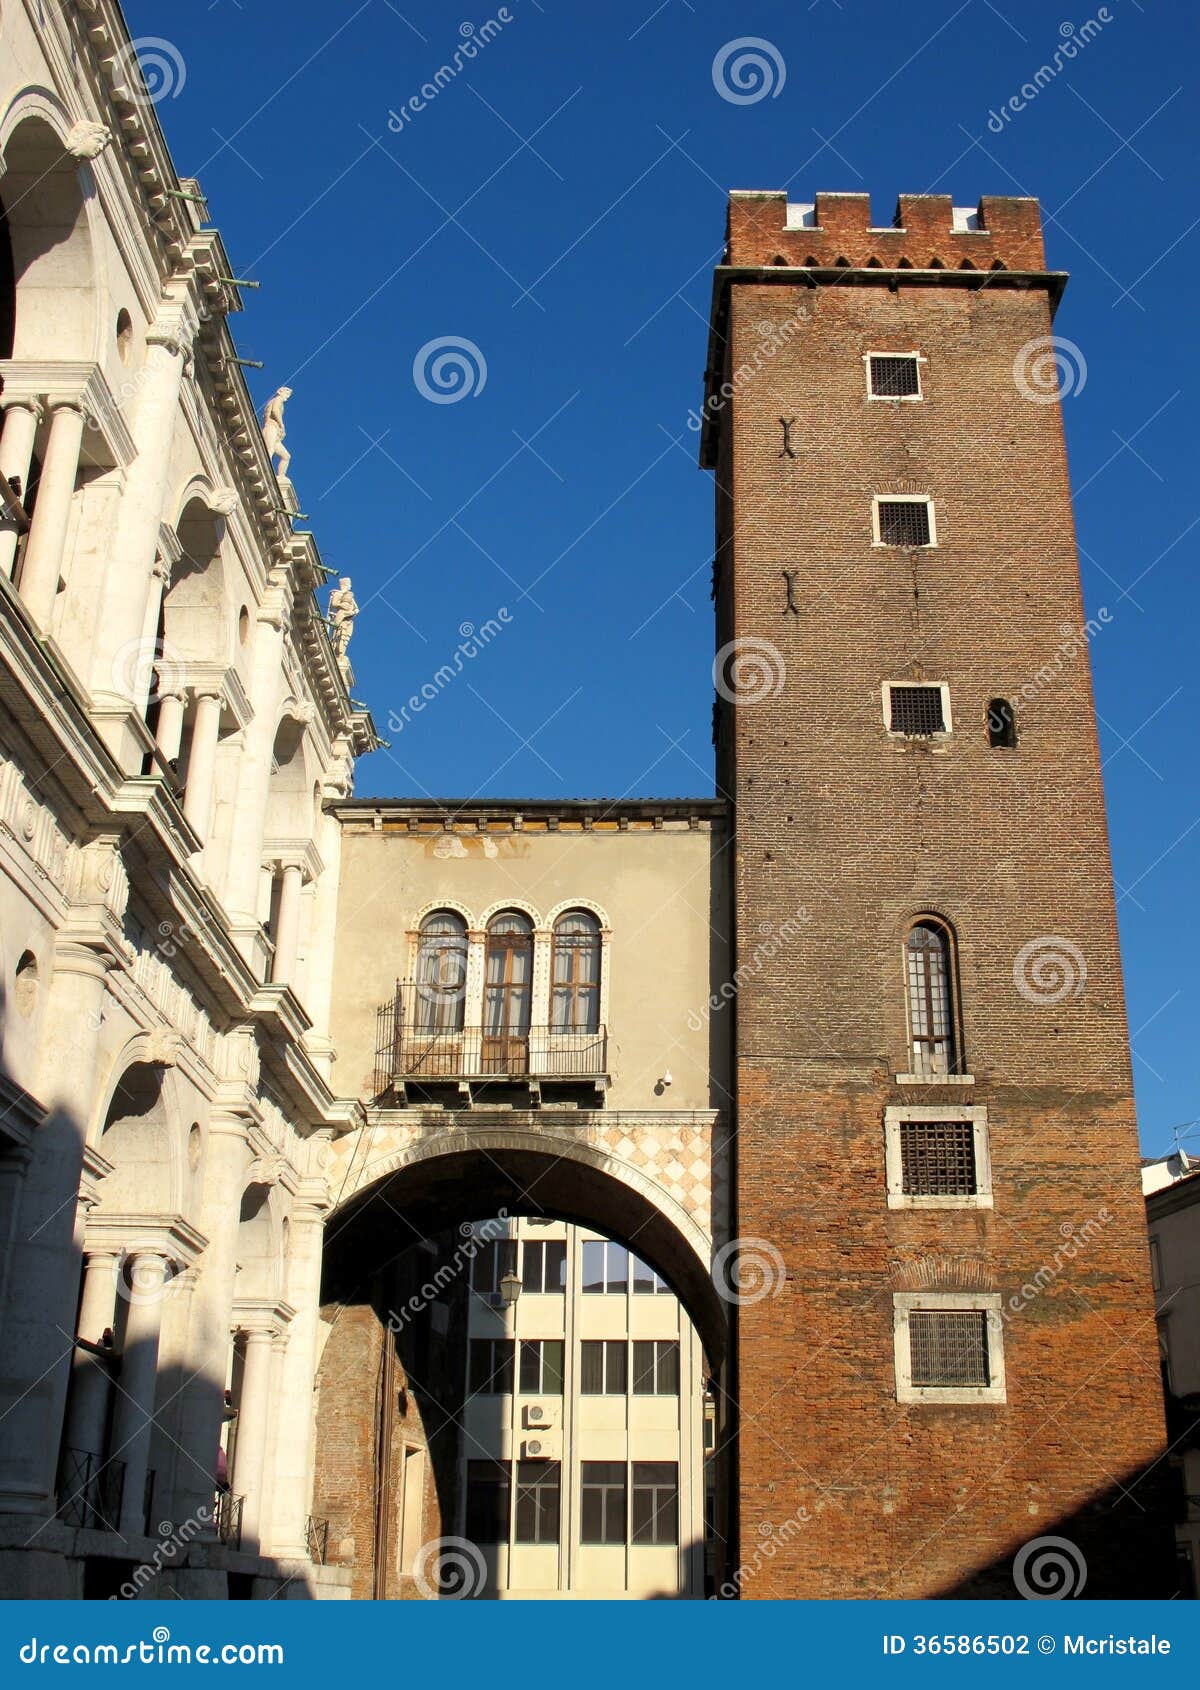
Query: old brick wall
x,y
863,832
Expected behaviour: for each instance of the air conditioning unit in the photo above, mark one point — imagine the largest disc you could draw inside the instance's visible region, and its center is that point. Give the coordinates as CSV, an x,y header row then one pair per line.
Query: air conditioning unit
x,y
547,1446
540,1416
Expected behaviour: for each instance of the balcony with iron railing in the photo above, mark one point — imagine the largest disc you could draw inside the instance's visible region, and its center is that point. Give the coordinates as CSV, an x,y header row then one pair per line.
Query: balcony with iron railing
x,y
421,1042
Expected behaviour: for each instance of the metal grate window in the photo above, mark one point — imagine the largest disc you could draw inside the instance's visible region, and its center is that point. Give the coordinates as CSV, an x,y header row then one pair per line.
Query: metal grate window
x,y
894,377
949,1347
916,710
904,522
937,1159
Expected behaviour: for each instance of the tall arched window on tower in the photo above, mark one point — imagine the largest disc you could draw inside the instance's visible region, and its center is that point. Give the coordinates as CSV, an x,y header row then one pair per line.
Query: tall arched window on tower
x,y
575,974
929,964
442,973
508,992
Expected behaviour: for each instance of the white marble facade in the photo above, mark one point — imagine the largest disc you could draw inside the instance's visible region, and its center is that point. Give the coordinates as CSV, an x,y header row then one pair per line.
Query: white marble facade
x,y
174,722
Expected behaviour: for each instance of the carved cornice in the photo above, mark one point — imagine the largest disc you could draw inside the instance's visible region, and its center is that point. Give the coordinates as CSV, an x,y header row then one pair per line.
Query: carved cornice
x,y
70,382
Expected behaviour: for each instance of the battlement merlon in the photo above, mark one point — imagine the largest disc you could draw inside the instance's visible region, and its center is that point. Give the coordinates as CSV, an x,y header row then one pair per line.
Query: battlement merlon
x,y
928,232
931,243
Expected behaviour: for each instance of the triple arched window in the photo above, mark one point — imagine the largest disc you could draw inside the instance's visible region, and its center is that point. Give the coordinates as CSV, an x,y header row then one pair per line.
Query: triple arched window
x,y
507,1005
932,1018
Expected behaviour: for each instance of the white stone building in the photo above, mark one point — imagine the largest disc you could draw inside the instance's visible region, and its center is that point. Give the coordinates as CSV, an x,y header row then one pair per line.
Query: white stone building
x,y
584,1431
175,719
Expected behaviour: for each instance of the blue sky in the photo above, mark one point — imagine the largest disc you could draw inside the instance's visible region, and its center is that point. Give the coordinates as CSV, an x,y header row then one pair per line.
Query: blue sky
x,y
559,205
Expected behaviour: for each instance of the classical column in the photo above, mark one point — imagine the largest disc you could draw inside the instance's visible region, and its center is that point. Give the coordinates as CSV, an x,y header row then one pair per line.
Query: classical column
x,y
87,1405
169,734
44,548
123,615
39,1314
21,417
202,762
254,765
145,1272
254,1413
227,1158
318,981
287,924
294,1455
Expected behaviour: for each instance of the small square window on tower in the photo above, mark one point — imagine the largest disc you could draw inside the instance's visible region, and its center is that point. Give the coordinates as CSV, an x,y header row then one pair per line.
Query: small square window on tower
x,y
904,519
893,375
916,710
949,1347
937,1157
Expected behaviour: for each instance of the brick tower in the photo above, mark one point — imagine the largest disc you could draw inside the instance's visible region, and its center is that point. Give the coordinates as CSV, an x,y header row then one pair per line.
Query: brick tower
x,y
936,1131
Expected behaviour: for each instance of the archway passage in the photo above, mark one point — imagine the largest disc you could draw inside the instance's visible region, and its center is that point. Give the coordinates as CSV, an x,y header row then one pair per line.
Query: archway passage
x,y
457,1186
403,1307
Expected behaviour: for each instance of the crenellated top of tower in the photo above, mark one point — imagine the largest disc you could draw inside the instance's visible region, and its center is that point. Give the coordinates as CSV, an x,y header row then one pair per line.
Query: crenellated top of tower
x,y
928,232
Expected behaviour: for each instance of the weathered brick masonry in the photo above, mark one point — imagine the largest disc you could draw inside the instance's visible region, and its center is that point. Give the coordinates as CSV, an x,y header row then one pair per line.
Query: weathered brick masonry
x,y
864,832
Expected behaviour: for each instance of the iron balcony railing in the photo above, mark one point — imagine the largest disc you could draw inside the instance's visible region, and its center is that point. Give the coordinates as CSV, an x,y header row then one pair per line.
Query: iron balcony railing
x,y
419,1039
90,1490
227,1518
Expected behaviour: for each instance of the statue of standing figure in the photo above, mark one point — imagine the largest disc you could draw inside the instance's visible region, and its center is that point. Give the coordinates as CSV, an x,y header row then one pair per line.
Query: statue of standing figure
x,y
273,430
343,608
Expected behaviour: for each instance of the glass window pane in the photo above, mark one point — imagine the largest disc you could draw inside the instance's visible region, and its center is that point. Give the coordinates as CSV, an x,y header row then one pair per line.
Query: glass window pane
x,y
591,1368
532,1267
643,1367
531,1371
556,1267
668,1369
593,1264
552,1366
591,1518
617,1355
618,1266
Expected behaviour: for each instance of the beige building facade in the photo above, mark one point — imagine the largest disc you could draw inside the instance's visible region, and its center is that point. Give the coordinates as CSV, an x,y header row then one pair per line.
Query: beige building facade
x,y
583,1450
1172,1188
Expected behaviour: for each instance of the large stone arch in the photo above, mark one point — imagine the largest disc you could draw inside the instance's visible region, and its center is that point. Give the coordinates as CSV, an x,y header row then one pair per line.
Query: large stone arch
x,y
442,1176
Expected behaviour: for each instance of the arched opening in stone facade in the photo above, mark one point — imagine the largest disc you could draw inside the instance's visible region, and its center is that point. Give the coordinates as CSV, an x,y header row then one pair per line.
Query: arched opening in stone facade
x,y
114,1463
396,1291
47,307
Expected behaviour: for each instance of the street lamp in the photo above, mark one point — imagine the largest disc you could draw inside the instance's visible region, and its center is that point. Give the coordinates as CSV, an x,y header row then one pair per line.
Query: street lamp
x,y
510,1290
